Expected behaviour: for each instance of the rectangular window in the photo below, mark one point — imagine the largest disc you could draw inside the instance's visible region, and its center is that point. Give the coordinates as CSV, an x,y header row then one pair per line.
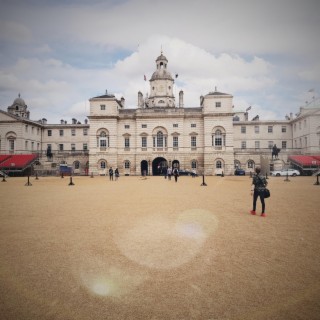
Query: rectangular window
x,y
305,123
270,129
299,125
49,133
243,145
26,145
60,147
256,129
143,126
32,145
61,133
127,142
126,126
283,129
73,147
127,165
305,141
143,142
85,131
175,142
11,145
175,125
32,128
193,125
284,144
243,129
26,128
193,142
73,132
85,147
102,107
257,144
218,104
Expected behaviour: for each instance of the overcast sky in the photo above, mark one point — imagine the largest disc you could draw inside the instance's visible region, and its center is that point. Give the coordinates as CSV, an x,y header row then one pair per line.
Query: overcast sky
x,y
58,54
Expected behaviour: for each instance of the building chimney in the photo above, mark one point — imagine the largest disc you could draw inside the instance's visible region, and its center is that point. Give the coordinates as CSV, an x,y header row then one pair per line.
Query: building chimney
x,y
61,121
74,121
181,99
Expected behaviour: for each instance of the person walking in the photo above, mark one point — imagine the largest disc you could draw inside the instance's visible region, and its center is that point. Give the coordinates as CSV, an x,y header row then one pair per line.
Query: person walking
x,y
169,173
111,174
258,187
175,174
116,174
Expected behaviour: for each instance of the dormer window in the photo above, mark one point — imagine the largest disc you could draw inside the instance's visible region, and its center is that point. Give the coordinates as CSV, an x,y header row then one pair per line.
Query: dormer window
x,y
218,104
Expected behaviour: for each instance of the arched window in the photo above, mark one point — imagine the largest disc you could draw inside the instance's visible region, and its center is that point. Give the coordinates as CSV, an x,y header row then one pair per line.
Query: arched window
x,y
160,139
194,164
103,140
237,164
218,138
103,164
218,164
250,164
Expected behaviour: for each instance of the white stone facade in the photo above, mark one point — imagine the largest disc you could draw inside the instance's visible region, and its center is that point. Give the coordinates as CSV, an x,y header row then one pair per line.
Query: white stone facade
x,y
211,138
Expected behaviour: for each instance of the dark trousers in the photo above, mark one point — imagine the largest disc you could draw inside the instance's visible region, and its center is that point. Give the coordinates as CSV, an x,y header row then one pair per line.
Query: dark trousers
x,y
257,194
175,178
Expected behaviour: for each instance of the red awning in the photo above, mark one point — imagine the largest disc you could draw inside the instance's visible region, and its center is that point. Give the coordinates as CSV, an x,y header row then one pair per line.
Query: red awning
x,y
306,160
17,161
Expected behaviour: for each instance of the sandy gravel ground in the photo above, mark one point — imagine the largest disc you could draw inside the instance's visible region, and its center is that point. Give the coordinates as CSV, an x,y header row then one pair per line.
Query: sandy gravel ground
x,y
156,249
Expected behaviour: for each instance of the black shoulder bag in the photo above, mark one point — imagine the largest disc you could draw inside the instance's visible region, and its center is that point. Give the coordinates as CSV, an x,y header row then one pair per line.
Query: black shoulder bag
x,y
266,191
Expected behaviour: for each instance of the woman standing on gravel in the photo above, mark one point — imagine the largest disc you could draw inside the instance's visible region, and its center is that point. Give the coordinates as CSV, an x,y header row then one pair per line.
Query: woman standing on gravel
x,y
258,187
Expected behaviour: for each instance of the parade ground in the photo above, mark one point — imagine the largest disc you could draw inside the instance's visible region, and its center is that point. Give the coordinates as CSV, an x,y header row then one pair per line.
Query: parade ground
x,y
155,249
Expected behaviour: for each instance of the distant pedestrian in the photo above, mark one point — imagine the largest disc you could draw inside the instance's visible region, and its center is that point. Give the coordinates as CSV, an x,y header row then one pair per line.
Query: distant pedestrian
x,y
194,173
111,174
258,187
116,174
169,172
175,174
165,172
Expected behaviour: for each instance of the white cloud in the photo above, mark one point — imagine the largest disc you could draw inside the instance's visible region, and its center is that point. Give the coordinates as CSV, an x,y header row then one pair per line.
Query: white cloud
x,y
252,50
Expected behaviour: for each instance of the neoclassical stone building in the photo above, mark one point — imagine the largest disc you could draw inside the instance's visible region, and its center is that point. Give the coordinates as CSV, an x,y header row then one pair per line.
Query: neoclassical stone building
x,y
211,138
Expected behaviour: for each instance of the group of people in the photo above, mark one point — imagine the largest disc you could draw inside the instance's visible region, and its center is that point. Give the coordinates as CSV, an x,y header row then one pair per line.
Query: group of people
x,y
115,173
172,172
259,184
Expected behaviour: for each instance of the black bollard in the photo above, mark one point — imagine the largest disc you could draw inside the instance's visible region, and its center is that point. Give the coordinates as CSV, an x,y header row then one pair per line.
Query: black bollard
x,y
37,176
287,178
62,175
71,183
267,175
203,183
222,175
28,184
4,178
250,174
317,182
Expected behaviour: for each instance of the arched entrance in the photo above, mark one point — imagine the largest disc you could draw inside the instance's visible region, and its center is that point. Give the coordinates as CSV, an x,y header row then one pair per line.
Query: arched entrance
x,y
144,168
158,166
